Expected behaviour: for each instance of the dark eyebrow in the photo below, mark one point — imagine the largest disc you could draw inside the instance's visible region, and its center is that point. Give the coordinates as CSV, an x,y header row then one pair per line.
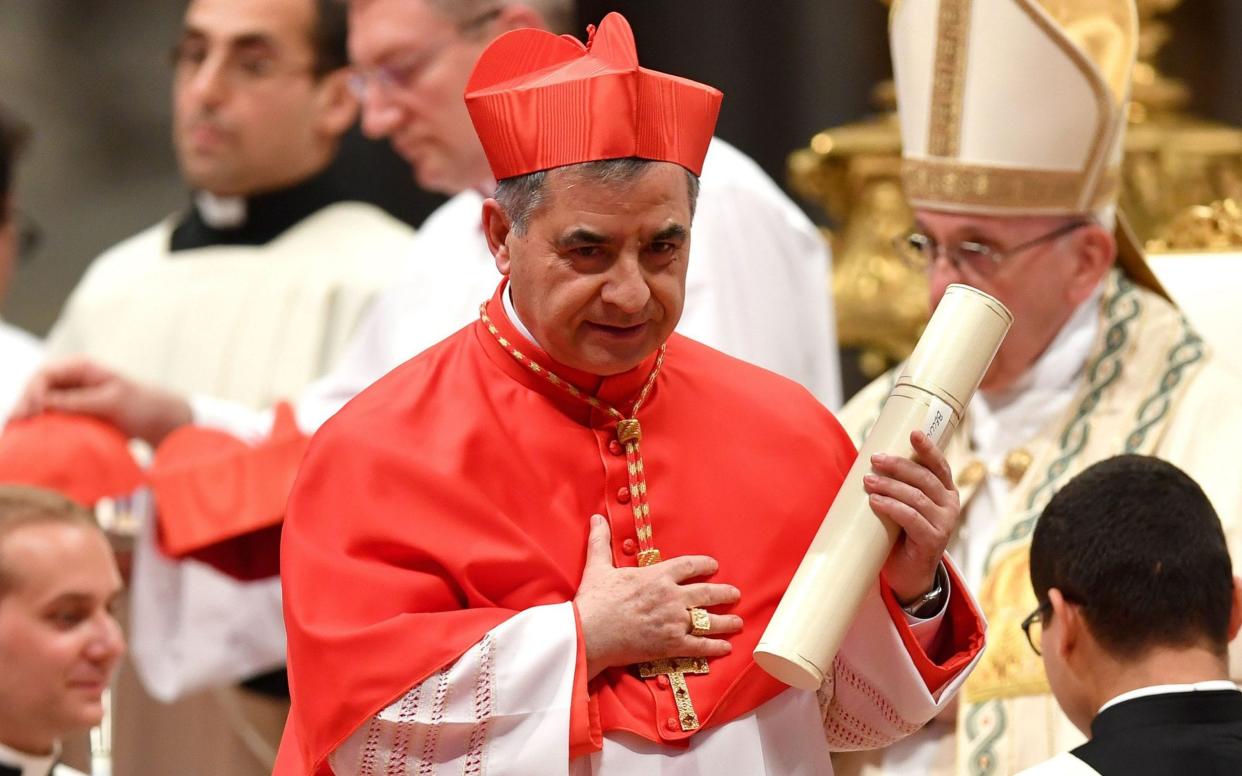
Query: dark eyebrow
x,y
671,232
253,40
75,598
582,236
247,40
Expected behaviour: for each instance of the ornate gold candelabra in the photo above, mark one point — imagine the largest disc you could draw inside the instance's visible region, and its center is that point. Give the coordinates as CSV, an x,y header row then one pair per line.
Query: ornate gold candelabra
x,y
1182,182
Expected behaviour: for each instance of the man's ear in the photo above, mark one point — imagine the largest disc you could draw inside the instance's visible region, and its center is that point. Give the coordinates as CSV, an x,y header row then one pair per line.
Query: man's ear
x,y
1095,249
1235,616
496,228
1068,633
338,109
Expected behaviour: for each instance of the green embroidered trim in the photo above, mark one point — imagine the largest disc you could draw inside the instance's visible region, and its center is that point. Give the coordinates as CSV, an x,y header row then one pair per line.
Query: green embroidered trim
x,y
1189,351
983,759
1185,354
1121,311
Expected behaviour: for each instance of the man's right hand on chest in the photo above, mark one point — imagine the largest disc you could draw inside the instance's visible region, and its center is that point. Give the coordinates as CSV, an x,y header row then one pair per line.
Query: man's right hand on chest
x,y
633,615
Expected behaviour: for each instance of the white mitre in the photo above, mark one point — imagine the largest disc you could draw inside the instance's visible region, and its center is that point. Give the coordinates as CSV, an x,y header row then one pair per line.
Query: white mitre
x,y
1016,107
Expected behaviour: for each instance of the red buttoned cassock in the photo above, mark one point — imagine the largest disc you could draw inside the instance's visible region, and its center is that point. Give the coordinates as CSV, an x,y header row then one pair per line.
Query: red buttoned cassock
x,y
457,491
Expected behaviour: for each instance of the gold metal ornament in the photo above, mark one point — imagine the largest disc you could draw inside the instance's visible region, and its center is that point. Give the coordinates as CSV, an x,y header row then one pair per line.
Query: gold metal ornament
x,y
700,622
676,669
1016,464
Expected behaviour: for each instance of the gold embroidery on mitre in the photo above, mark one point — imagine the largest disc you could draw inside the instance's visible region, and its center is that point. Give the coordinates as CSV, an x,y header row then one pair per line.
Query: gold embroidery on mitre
x,y
949,77
1009,667
932,182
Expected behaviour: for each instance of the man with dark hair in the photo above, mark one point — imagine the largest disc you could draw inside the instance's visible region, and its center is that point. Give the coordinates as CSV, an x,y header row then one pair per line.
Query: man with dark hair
x,y
59,642
247,295
20,353
1137,606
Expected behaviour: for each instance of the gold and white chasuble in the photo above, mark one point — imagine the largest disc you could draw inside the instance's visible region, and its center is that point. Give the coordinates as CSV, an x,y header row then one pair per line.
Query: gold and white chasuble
x,y
1149,386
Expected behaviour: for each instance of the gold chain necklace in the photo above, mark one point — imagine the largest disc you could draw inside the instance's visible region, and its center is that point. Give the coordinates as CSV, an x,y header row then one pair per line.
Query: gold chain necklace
x,y
629,434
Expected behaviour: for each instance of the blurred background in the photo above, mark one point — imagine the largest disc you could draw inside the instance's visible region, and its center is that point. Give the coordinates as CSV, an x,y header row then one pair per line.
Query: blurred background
x,y
92,78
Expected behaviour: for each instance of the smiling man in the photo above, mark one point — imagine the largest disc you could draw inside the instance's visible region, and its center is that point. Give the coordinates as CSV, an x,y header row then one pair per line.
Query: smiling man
x,y
59,642
550,542
1098,361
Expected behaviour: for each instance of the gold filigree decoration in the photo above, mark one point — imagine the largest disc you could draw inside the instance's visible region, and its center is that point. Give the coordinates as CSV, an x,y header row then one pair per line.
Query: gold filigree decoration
x,y
992,188
1213,227
949,78
676,669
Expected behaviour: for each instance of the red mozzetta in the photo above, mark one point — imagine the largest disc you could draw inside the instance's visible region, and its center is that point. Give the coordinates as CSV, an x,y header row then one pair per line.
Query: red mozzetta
x,y
457,491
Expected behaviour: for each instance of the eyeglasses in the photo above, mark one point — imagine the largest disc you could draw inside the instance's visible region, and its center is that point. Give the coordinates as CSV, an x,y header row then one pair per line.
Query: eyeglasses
x,y
405,75
29,236
921,251
1033,625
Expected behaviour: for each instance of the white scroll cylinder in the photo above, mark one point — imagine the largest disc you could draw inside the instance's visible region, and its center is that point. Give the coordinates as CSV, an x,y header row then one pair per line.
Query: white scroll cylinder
x,y
932,390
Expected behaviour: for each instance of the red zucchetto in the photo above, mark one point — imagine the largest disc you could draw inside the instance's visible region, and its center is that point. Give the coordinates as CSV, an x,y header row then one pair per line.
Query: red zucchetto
x,y
79,457
540,100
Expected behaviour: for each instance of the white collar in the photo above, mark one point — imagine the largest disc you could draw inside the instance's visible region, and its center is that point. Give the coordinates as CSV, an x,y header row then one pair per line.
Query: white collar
x,y
31,765
1004,420
511,313
220,212
1165,689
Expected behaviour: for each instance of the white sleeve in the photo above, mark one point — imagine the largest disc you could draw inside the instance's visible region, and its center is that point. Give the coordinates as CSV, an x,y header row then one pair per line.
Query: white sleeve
x,y
875,695
192,627
502,708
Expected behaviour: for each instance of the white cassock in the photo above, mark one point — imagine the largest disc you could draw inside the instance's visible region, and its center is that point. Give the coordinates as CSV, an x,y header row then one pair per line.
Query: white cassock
x,y
20,356
250,323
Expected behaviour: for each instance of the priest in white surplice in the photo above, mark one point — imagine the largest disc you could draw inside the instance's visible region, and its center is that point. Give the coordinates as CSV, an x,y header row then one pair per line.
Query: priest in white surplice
x,y
249,294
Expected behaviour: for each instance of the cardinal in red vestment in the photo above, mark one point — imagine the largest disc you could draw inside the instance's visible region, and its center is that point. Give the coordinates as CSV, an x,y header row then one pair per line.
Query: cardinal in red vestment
x,y
549,544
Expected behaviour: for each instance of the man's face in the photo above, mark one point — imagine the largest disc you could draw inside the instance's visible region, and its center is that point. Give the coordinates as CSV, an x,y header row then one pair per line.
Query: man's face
x,y
248,114
599,277
58,640
1032,283
423,60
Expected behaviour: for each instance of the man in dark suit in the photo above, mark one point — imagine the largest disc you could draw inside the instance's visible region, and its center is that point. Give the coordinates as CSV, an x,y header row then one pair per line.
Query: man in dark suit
x,y
1137,605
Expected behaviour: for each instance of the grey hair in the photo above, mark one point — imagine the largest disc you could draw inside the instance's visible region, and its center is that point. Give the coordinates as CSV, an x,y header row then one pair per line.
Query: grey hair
x,y
522,195
559,15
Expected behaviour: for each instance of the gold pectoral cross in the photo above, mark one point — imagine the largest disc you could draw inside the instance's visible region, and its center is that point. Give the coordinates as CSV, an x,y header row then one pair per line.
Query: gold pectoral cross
x,y
676,668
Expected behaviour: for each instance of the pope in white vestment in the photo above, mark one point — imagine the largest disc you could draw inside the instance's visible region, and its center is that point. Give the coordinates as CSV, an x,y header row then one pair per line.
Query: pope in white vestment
x,y
1124,373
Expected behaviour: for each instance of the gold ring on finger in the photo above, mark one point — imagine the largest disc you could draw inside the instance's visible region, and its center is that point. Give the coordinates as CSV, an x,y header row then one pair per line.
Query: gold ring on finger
x,y
700,622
